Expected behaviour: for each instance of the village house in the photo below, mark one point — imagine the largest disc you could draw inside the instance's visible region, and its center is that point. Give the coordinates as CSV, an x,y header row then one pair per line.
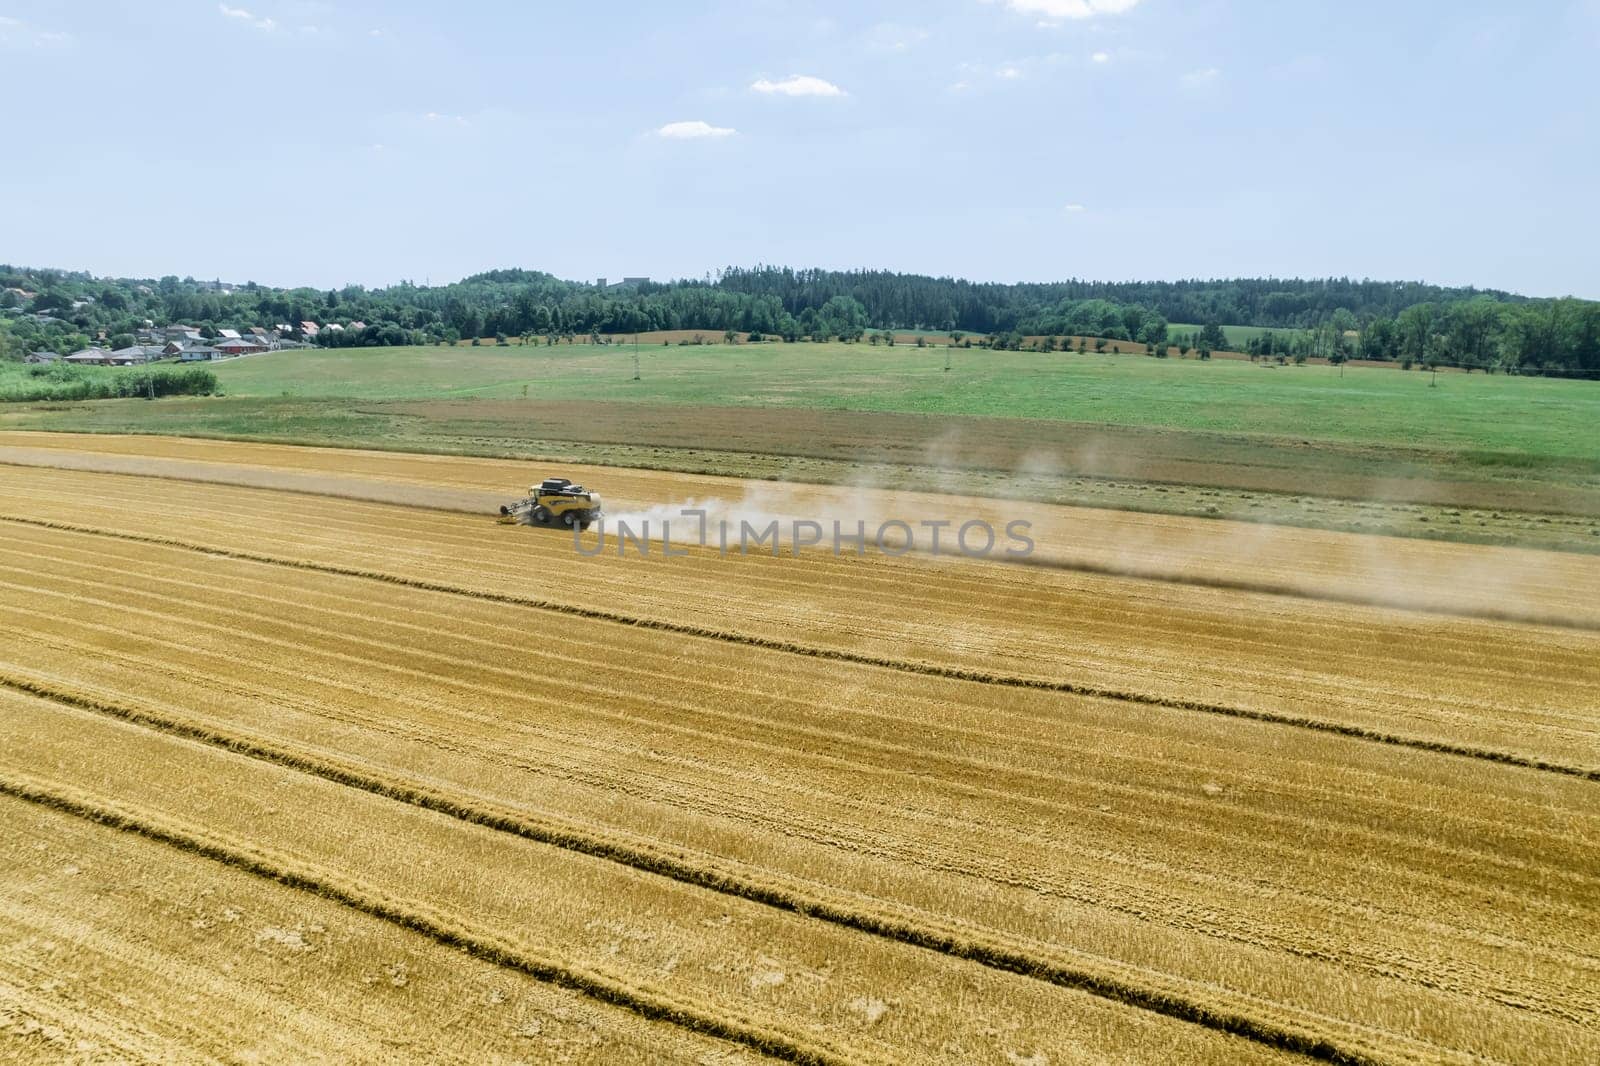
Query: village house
x,y
241,346
130,356
177,349
199,353
42,357
88,357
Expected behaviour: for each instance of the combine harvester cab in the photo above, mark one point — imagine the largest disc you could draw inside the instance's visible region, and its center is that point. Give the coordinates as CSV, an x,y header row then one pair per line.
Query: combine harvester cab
x,y
555,501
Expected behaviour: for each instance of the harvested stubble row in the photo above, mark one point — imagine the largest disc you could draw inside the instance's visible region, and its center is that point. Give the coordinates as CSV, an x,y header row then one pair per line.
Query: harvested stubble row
x,y
1307,877
1524,691
1344,567
98,928
793,987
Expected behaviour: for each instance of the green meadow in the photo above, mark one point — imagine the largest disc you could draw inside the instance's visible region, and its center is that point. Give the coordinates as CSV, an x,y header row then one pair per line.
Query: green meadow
x,y
1499,420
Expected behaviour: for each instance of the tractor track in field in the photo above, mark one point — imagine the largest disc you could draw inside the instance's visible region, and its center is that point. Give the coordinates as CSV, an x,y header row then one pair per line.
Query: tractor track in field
x,y
732,728
1500,676
1111,898
908,666
443,929
473,502
953,941
1050,712
1123,611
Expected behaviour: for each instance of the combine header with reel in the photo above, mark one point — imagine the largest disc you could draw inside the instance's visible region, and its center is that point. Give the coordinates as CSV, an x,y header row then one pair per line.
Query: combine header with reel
x,y
555,501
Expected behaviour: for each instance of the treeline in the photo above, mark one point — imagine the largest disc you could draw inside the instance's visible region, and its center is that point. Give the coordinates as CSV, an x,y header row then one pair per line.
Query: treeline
x,y
1332,317
918,301
1534,336
1546,336
59,382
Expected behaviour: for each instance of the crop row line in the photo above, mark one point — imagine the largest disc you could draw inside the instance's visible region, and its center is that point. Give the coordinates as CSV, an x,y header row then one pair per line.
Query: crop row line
x,y
910,666
354,527
444,929
349,541
1105,887
172,583
953,939
260,667
1216,582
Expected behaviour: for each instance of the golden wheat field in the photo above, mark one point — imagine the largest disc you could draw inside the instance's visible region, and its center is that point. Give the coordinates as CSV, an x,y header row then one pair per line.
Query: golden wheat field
x,y
304,758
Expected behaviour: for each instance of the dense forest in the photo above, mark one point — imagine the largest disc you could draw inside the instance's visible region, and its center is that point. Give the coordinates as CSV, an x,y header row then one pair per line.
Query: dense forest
x,y
1336,318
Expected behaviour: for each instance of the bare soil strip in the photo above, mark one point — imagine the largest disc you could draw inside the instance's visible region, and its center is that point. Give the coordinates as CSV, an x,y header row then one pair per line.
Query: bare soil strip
x,y
1007,444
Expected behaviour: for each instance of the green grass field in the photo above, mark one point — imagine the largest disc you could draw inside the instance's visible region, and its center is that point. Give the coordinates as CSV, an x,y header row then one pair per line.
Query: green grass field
x,y
1497,420
1490,459
1238,336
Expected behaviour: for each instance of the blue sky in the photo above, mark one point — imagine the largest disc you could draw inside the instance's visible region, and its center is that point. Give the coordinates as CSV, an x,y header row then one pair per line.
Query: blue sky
x,y
295,141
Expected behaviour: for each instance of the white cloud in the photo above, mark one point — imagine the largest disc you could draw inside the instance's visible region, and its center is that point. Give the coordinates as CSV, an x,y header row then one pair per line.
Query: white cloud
x,y
1070,9
1198,79
798,85
1074,209
1101,57
693,130
1009,73
245,16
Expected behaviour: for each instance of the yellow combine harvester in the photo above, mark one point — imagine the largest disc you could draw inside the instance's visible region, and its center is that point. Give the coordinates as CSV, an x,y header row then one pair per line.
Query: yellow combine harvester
x,y
555,501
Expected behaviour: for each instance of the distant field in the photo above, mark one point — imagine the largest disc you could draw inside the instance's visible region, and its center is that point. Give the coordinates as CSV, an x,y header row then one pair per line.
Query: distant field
x,y
1238,336
1486,459
1524,421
